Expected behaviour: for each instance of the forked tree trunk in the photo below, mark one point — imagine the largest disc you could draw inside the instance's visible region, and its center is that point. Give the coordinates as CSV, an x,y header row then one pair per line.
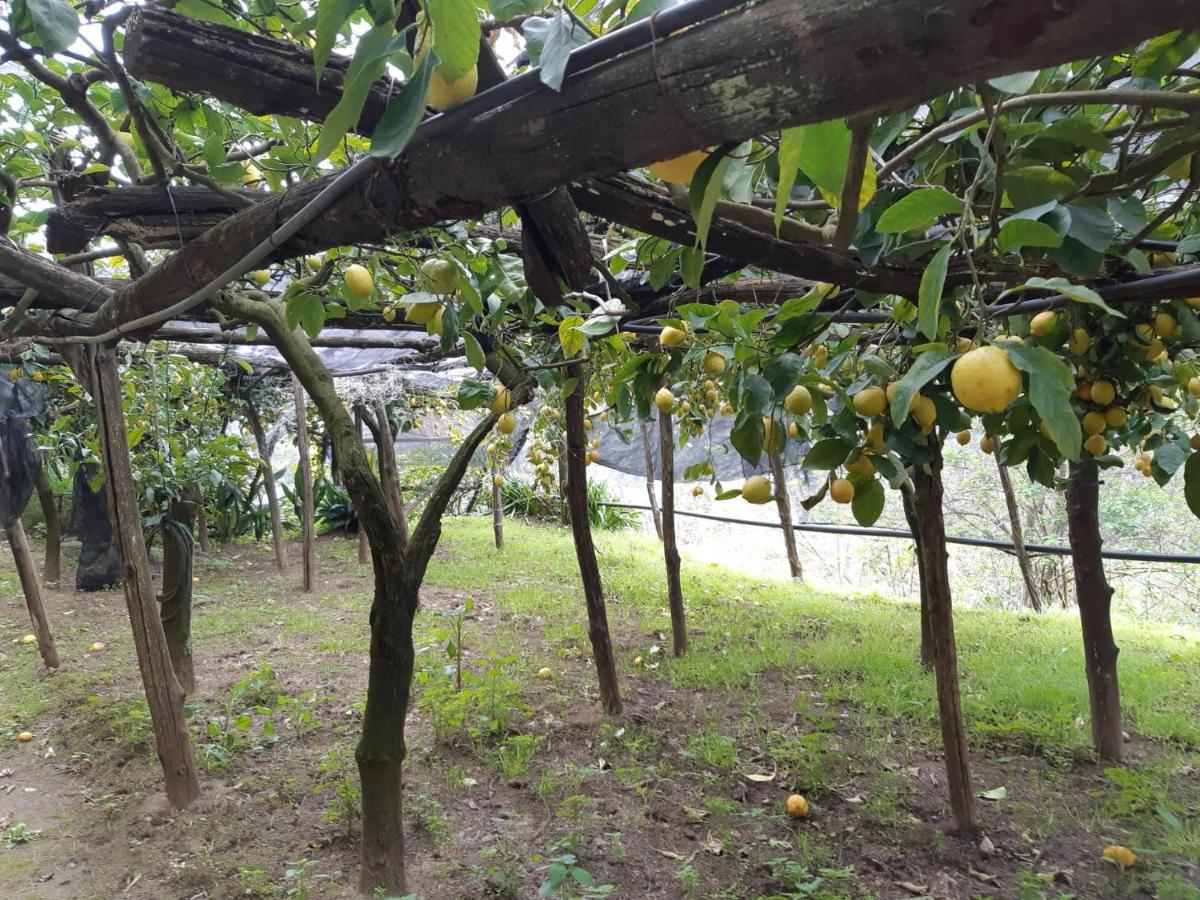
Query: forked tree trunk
x,y
1094,595
1032,594
31,586
308,531
497,507
52,565
650,491
910,514
268,476
666,456
163,693
175,601
389,468
927,496
575,492
364,548
783,502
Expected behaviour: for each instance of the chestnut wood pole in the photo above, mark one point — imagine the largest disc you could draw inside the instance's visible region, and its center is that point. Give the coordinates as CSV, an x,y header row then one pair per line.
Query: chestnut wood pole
x,y
910,514
497,506
163,692
666,456
364,546
783,502
1024,563
927,496
31,586
1094,595
575,491
308,530
269,486
175,601
52,565
648,452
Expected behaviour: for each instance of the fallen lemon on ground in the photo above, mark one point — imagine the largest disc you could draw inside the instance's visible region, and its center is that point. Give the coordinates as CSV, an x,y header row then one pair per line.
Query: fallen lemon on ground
x,y
544,672
96,647
29,639
25,737
1122,856
797,806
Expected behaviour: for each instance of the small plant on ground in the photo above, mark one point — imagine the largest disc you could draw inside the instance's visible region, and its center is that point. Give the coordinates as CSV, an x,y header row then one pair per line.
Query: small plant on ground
x,y
564,877
18,833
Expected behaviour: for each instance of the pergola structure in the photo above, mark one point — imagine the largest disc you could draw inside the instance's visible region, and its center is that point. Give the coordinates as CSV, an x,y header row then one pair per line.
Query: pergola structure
x,y
702,74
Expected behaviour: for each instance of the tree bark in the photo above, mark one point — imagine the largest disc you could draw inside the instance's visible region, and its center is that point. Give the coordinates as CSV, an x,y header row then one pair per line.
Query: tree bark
x,y
1032,594
175,601
783,503
1094,595
575,492
389,468
31,586
497,508
650,490
666,456
163,692
201,524
268,476
52,565
308,529
910,514
927,496
364,547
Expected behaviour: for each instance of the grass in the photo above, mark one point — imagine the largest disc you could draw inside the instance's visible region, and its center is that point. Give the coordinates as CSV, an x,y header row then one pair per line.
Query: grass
x,y
809,690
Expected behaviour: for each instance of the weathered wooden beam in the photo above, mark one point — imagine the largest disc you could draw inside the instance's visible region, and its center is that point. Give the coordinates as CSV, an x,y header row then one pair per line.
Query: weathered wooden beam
x,y
770,64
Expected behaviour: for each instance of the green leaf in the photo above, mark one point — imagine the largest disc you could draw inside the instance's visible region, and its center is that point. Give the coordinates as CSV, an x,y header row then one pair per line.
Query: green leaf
x,y
370,58
569,337
55,22
331,16
998,793
918,210
1035,185
1189,244
455,36
933,281
705,191
1051,382
691,266
404,113
821,153
550,42
1191,484
924,369
1017,233
1071,291
828,454
1017,83
306,310
1091,226
868,501
747,436
790,145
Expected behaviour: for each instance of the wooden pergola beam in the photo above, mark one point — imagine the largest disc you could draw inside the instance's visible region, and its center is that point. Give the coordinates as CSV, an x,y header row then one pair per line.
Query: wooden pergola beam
x,y
770,64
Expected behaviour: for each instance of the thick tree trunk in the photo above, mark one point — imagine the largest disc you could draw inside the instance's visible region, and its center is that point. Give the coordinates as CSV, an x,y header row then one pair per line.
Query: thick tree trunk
x,y
163,692
927,496
783,503
575,492
31,586
648,452
175,601
666,455
268,476
497,508
910,514
1094,595
308,529
1024,563
52,565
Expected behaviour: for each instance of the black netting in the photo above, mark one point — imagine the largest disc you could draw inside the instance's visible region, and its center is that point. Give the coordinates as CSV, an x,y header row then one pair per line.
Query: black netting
x,y
19,401
99,565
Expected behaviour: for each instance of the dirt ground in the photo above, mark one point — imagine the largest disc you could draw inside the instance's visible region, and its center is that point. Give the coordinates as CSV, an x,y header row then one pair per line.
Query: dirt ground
x,y
641,802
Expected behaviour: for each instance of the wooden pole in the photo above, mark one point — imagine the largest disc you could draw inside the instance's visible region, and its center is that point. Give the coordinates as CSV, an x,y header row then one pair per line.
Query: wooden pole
x,y
575,491
650,491
268,475
927,496
163,692
1032,594
52,565
497,506
175,601
364,546
1094,595
31,586
308,540
783,503
666,456
910,514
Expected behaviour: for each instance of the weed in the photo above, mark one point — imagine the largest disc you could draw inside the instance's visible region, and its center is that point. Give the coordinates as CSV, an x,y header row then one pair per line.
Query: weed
x,y
18,833
500,873
515,752
566,878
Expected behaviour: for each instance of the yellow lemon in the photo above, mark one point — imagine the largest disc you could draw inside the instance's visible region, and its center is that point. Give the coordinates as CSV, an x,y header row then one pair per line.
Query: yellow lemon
x,y
359,281
1115,416
1079,342
1103,392
924,411
261,277
870,401
28,639
842,491
96,647
671,336
984,380
421,313
502,402
1043,323
1096,445
1121,856
664,400
713,364
963,437
438,276
544,673
798,401
1094,422
507,423
25,737
797,806
679,169
987,443
861,466
756,489
1164,324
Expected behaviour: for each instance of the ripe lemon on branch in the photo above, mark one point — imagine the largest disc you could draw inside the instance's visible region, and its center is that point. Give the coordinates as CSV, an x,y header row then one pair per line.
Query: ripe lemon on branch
x,y
359,281
756,489
984,380
443,94
679,169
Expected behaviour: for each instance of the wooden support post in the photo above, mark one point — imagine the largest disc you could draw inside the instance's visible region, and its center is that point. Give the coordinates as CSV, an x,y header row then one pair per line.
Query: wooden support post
x,y
175,601
927,496
497,506
1094,595
364,546
268,476
648,452
666,456
201,524
308,532
1032,594
783,502
52,565
575,491
910,514
31,585
163,692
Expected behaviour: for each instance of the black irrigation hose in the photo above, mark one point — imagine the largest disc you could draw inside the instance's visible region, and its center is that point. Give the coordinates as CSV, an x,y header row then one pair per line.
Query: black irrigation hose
x,y
1047,549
